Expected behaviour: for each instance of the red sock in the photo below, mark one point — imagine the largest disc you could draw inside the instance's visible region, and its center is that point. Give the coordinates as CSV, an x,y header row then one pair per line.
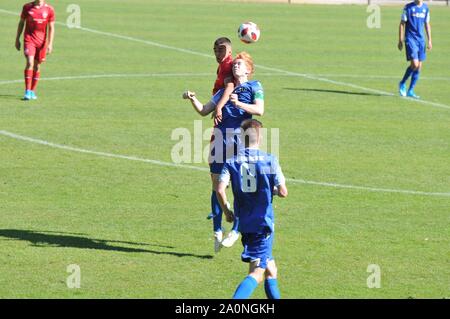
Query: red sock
x,y
36,76
28,79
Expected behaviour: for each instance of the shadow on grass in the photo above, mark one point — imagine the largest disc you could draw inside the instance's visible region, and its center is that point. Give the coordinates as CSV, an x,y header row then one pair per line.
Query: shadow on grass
x,y
335,91
57,239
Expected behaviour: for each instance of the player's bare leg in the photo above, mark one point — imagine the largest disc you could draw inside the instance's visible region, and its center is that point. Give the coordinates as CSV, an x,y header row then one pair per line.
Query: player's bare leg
x,y
415,64
249,284
271,282
30,62
256,272
216,214
233,235
271,270
36,76
28,77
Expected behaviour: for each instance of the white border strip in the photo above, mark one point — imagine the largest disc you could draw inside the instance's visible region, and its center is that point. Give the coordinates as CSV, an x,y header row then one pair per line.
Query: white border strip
x,y
161,163
103,154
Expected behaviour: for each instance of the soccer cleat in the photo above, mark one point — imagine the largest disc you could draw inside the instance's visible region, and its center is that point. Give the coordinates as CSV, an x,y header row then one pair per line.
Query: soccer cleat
x,y
27,95
231,239
33,95
402,89
218,236
413,95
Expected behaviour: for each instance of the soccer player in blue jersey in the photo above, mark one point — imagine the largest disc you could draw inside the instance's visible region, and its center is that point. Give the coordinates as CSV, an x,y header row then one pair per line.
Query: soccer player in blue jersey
x,y
246,100
415,17
255,176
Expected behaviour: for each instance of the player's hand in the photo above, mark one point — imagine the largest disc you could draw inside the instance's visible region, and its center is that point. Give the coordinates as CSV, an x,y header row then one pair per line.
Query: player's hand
x,y
18,44
50,49
430,45
229,215
234,99
188,95
218,117
275,191
400,45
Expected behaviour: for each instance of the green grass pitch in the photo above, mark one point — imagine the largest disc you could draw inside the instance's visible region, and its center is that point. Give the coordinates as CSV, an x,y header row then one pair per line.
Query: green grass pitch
x,y
139,230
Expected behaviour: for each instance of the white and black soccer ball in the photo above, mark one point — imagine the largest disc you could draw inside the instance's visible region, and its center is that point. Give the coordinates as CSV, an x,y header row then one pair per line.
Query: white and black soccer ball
x,y
249,32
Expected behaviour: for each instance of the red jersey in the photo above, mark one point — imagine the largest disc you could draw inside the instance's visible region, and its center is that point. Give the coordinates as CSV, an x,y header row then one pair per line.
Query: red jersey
x,y
225,70
37,18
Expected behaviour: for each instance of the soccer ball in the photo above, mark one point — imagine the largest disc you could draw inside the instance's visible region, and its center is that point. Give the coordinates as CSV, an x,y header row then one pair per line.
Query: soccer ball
x,y
248,32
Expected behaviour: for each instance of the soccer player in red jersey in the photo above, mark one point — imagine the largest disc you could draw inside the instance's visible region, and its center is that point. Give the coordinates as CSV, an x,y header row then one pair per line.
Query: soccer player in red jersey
x,y
224,80
36,17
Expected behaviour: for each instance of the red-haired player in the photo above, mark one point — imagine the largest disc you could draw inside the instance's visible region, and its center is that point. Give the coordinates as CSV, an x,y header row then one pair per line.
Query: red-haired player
x,y
246,100
36,17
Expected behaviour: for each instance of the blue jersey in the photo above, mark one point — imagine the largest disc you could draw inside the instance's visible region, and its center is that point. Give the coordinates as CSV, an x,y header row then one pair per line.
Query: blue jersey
x,y
253,174
415,18
232,117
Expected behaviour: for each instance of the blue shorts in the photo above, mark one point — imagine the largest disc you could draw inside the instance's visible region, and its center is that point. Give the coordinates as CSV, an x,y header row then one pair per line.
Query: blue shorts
x,y
224,149
415,50
257,248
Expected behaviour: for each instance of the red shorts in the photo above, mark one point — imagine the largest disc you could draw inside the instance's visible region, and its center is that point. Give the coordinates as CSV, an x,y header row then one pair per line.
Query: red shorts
x,y
39,53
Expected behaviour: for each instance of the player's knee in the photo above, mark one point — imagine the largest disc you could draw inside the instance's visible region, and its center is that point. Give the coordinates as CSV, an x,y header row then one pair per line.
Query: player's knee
x,y
258,275
271,271
215,181
30,64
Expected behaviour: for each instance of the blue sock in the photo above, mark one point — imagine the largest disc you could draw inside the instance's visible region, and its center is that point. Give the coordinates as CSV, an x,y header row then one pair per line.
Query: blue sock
x,y
414,79
407,74
271,288
236,224
246,288
216,211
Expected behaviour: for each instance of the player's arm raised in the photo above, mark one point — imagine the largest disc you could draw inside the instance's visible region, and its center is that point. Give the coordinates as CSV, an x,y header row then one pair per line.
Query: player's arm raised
x,y
229,87
51,36
201,109
19,32
257,108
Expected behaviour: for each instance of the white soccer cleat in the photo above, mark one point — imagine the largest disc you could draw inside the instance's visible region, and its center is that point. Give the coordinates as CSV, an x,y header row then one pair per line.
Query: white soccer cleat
x,y
218,236
231,239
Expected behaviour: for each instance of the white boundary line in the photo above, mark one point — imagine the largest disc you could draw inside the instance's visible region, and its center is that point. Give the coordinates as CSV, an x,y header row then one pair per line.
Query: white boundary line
x,y
311,77
162,75
161,163
103,154
362,76
101,76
